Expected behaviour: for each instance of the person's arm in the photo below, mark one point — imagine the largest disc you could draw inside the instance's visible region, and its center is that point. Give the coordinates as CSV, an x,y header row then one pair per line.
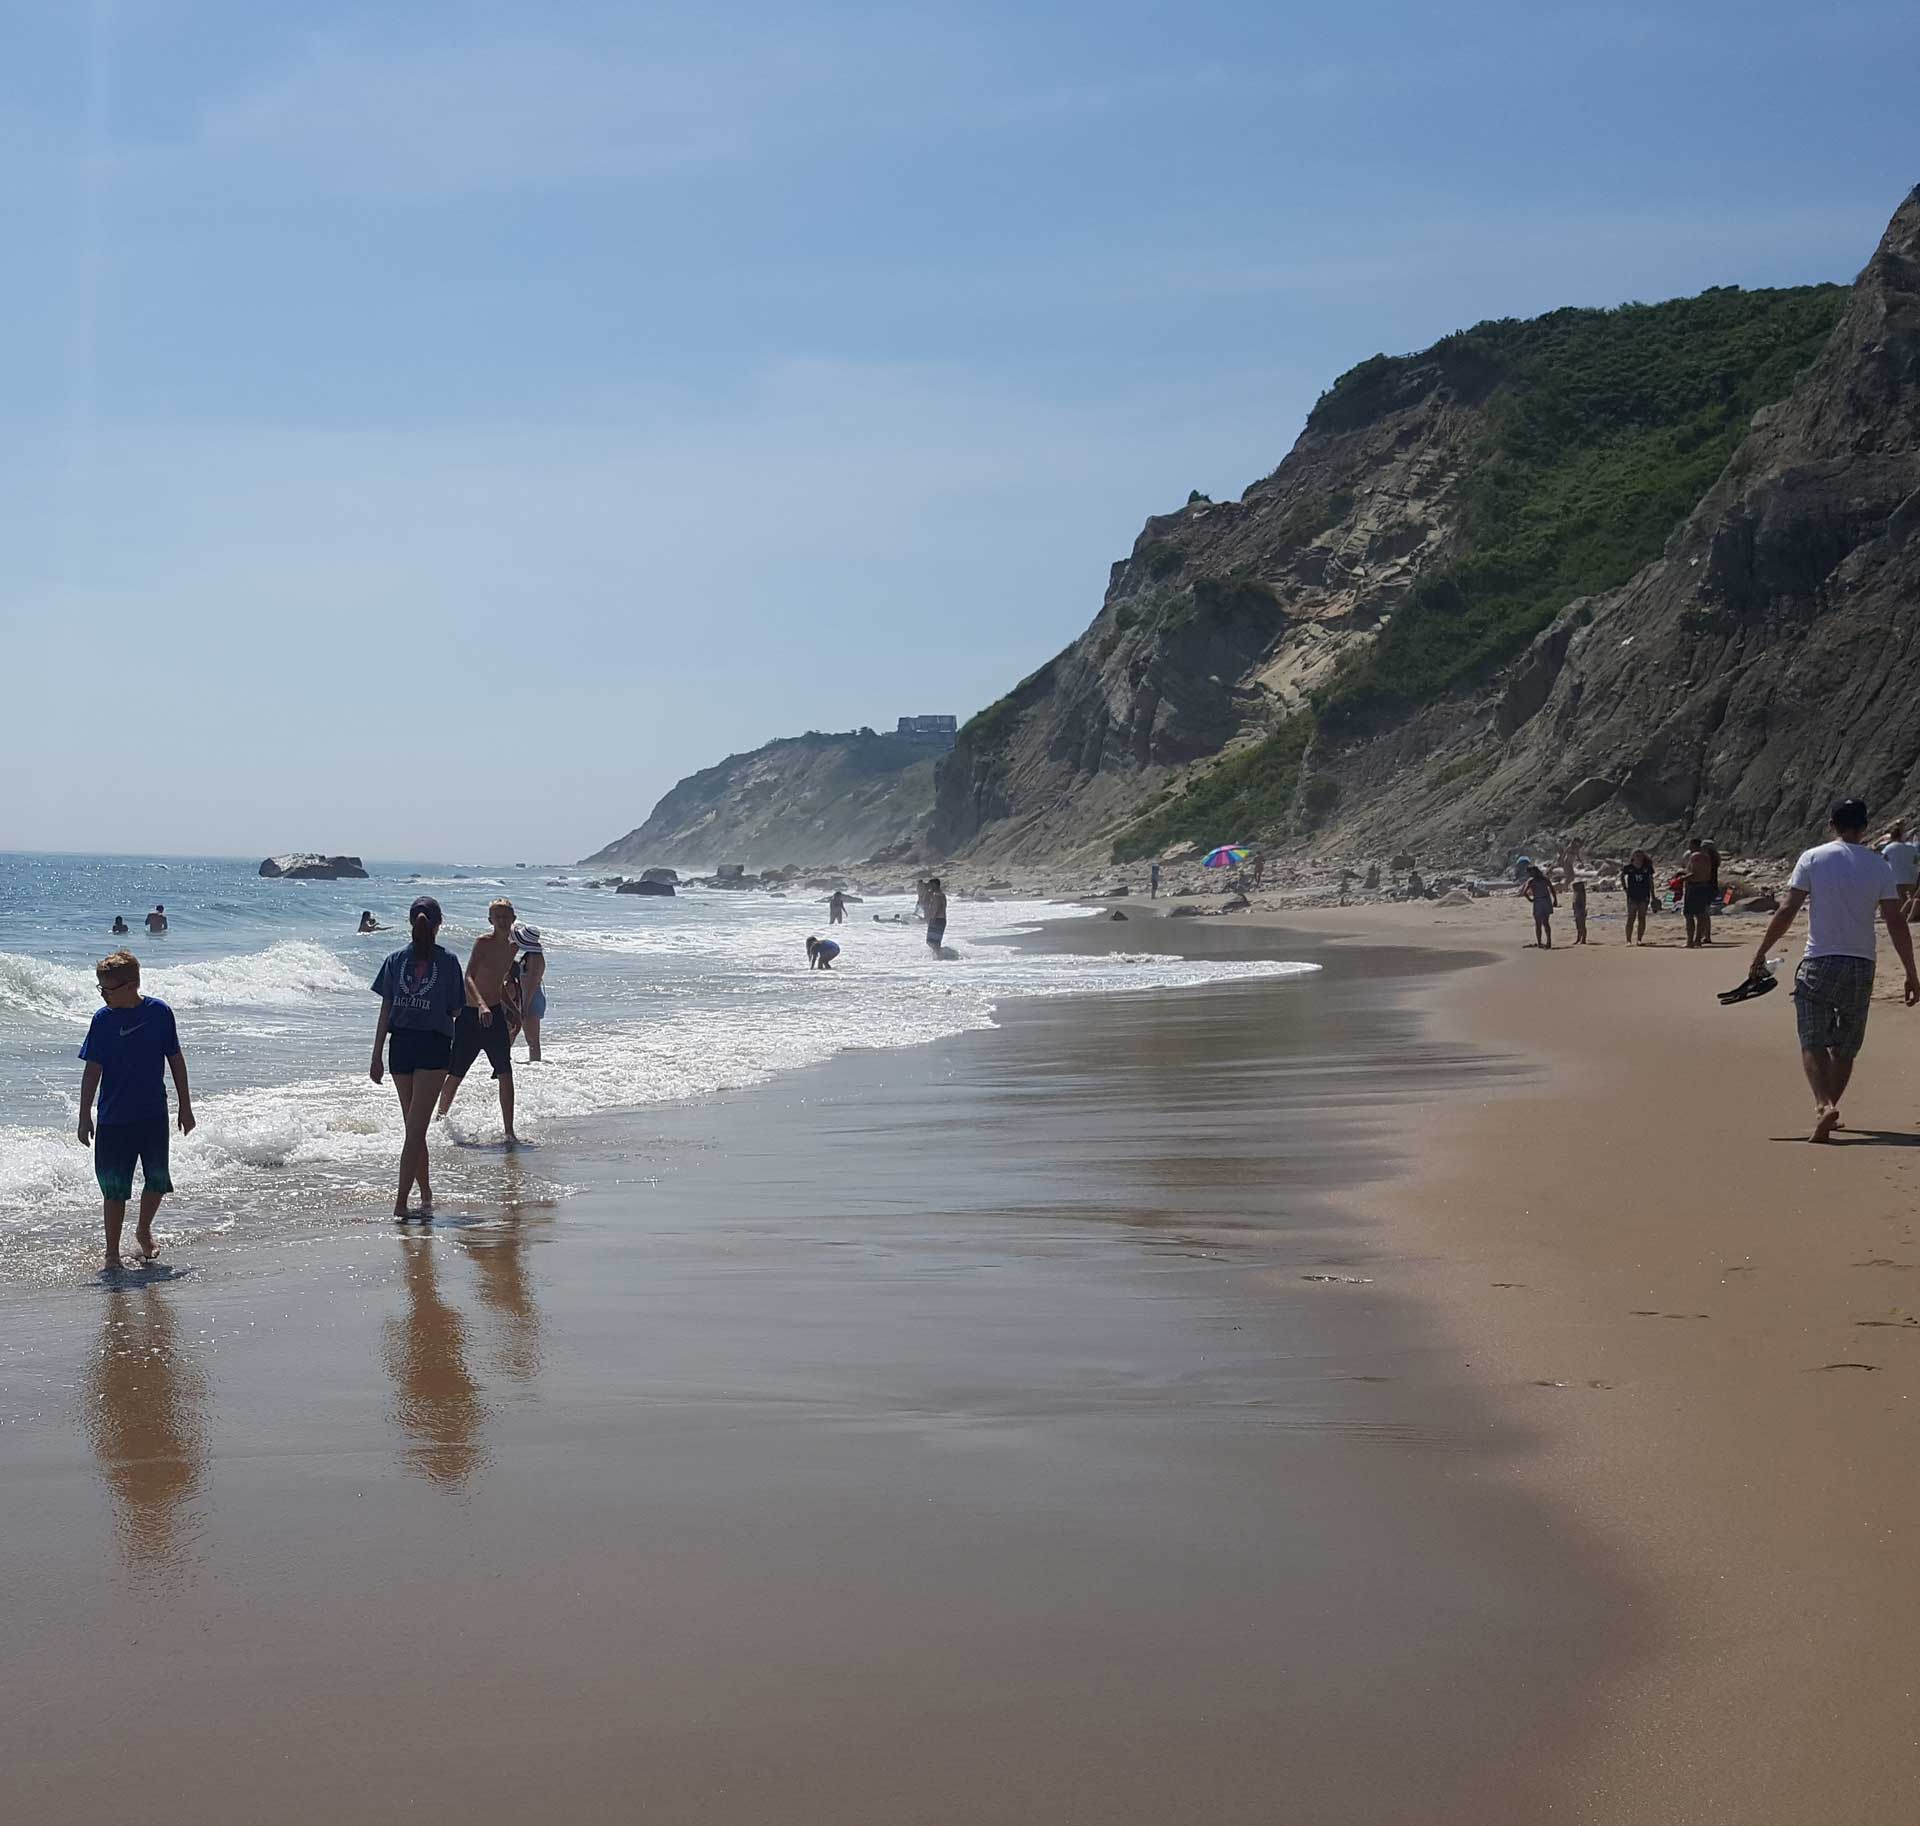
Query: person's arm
x,y
1902,936
1777,928
378,1068
475,999
89,1088
177,1064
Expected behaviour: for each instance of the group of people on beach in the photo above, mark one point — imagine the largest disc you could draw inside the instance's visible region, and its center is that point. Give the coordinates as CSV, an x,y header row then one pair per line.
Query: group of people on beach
x,y
1695,887
436,1019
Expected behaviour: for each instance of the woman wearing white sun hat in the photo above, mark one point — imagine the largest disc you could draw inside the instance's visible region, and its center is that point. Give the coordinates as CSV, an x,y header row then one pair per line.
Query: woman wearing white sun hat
x,y
530,972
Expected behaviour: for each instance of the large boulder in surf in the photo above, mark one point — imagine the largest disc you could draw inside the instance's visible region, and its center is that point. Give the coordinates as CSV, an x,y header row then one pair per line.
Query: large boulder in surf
x,y
661,889
304,866
670,876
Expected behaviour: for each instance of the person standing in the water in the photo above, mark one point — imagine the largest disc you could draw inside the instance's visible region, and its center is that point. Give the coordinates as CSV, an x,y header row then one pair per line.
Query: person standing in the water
x,y
530,974
422,990
936,904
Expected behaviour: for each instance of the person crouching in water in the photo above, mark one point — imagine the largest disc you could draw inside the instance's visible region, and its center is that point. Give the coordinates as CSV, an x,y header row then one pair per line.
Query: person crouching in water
x,y
820,953
421,993
1538,889
129,1040
484,1023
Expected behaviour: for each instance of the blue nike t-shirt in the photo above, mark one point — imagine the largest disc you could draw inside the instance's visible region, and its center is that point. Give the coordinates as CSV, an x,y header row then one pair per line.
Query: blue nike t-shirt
x,y
131,1046
427,992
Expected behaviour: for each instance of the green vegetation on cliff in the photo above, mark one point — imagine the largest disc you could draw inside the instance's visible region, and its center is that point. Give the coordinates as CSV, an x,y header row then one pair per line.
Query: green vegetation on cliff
x,y
1605,428
1246,798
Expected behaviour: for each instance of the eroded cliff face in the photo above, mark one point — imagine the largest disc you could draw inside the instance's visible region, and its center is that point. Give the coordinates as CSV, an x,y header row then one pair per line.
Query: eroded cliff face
x,y
1221,621
1765,664
1343,654
804,799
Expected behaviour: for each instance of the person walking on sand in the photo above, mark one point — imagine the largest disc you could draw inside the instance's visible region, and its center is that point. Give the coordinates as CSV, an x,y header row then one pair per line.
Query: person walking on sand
x,y
1696,893
125,1047
421,993
1904,859
484,1024
530,980
1579,902
1153,881
1538,889
936,914
1843,884
1636,882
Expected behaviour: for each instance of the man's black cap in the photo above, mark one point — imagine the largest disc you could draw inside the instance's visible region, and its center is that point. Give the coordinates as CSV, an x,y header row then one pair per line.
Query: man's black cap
x,y
425,906
1849,814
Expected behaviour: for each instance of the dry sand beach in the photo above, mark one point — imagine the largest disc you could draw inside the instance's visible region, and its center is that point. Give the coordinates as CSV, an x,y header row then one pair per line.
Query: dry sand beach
x,y
1416,1393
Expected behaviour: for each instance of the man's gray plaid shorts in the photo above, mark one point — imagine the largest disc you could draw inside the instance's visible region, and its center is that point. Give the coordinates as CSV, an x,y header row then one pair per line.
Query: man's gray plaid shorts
x,y
1831,996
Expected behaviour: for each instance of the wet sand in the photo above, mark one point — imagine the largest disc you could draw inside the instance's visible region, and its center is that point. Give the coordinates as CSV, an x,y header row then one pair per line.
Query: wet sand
x,y
1015,1430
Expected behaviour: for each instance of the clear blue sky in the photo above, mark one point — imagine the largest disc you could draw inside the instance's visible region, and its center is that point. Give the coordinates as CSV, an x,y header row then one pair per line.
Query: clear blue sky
x,y
432,429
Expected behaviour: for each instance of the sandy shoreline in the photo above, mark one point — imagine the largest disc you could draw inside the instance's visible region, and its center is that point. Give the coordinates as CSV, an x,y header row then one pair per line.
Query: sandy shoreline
x,y
955,1434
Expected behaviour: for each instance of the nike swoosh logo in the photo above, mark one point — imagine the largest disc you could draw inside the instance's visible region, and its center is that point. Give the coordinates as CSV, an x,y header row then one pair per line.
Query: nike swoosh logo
x,y
135,1028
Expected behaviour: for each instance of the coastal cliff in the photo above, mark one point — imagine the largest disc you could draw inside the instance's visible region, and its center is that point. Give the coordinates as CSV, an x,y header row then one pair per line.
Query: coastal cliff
x,y
802,799
1351,648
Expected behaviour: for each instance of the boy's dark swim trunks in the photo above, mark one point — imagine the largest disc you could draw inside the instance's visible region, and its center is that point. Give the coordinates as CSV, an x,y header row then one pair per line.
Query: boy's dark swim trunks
x,y
116,1148
470,1040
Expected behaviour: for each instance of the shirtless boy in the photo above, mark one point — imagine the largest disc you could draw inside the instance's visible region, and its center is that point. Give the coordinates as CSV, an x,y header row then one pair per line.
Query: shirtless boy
x,y
482,1025
1696,898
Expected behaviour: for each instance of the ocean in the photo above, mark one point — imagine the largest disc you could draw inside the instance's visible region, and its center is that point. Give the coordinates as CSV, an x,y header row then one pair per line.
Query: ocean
x,y
650,1000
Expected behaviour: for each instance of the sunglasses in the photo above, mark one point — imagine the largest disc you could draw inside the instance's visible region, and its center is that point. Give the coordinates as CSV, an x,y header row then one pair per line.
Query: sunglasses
x,y
125,982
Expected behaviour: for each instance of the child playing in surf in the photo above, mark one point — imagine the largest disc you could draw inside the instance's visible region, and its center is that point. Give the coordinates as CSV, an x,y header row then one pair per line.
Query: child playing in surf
x,y
124,1049
820,953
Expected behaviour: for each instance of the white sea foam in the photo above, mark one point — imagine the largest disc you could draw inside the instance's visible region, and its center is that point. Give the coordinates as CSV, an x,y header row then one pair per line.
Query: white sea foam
x,y
294,973
661,1001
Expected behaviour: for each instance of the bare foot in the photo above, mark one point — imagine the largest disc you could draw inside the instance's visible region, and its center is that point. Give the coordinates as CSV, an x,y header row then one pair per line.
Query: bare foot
x,y
1829,1120
113,1265
149,1249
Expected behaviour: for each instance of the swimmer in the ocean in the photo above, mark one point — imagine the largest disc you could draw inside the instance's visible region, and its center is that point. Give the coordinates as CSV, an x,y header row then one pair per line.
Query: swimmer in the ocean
x,y
820,953
119,924
368,923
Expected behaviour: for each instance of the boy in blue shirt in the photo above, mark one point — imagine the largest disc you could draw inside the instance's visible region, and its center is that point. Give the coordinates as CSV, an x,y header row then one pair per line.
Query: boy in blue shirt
x,y
124,1048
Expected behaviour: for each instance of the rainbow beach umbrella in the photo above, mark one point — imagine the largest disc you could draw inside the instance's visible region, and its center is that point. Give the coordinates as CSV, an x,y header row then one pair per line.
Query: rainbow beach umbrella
x,y
1227,856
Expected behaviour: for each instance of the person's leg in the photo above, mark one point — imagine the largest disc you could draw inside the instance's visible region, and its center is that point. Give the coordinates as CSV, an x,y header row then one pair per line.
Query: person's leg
x,y
403,1089
1706,928
115,1154
497,1037
530,1026
426,1089
155,1183
1818,1063
449,1091
113,1213
506,1104
149,1210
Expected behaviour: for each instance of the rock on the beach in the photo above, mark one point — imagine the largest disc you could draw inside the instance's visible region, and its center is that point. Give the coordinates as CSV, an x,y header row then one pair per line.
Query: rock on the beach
x,y
306,866
1186,913
1116,914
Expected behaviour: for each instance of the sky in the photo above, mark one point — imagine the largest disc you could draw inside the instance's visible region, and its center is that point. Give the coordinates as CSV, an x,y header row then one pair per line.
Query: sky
x,y
430,431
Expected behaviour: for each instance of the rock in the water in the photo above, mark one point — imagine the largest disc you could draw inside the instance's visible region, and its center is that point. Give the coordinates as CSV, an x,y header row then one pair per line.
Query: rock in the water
x,y
669,876
1116,914
1185,913
656,889
305,866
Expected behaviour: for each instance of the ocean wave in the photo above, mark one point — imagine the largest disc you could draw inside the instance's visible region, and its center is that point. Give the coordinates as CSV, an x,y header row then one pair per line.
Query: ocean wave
x,y
295,973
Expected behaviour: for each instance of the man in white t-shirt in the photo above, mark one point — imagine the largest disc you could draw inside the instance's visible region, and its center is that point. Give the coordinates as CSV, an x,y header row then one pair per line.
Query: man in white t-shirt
x,y
1849,885
1904,859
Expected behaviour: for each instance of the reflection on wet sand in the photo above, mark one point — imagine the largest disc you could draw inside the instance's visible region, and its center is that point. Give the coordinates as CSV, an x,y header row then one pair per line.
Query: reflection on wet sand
x,y
436,1400
499,1253
146,1418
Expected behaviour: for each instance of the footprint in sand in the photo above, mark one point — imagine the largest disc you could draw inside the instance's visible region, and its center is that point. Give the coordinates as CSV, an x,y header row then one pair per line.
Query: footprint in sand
x,y
1506,1283
1907,1324
1881,1261
1827,1366
1345,1280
